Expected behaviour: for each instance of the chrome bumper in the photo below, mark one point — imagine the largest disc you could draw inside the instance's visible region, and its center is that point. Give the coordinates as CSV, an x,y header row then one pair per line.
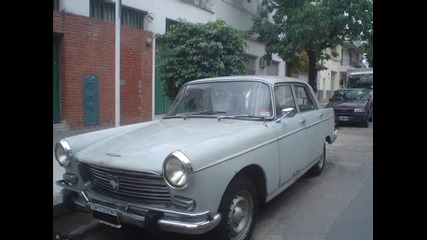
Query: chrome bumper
x,y
169,221
333,137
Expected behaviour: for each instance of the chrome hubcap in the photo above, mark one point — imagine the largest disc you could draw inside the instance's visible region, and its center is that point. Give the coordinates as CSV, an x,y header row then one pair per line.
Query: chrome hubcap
x,y
240,215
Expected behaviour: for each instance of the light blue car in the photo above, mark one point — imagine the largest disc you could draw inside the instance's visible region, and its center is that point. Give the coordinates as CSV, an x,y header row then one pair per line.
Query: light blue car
x,y
226,145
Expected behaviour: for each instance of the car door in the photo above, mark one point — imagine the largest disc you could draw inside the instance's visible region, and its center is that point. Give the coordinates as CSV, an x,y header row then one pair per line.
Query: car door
x,y
291,134
312,119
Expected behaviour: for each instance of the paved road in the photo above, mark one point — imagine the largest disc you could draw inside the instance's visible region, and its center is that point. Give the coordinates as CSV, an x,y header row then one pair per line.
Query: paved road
x,y
334,206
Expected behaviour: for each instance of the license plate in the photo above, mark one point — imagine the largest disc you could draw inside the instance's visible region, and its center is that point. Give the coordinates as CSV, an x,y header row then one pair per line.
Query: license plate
x,y
106,216
343,118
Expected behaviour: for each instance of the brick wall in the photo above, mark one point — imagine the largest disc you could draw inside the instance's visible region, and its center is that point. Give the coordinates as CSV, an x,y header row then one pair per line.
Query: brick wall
x,y
88,47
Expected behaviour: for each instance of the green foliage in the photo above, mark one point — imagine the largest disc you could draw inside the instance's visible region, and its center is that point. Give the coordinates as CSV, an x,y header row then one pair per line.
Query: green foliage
x,y
194,50
290,27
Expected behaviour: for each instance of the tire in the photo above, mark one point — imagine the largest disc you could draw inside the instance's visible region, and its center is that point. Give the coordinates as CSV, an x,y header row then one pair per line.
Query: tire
x,y
371,119
365,123
317,169
239,211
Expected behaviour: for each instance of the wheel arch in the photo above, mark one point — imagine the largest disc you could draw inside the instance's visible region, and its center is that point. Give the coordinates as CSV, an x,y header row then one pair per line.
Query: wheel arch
x,y
257,176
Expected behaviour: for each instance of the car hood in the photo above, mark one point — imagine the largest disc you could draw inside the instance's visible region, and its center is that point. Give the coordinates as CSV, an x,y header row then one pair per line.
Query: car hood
x,y
146,147
348,104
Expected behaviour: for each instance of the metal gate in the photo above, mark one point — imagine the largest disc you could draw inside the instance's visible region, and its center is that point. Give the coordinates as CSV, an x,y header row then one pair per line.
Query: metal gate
x,y
161,101
90,100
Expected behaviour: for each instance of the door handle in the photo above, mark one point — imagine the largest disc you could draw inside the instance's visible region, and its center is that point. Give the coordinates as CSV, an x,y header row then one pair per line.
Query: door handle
x,y
320,115
302,121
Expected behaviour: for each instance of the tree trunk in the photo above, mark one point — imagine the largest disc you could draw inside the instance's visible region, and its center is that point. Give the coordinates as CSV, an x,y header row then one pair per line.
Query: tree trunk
x,y
312,71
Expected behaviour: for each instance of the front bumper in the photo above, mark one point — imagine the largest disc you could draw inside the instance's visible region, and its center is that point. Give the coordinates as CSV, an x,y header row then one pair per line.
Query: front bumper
x,y
333,137
114,214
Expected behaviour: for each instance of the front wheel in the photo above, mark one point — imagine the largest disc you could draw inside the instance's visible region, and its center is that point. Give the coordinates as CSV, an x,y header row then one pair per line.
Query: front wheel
x,y
239,210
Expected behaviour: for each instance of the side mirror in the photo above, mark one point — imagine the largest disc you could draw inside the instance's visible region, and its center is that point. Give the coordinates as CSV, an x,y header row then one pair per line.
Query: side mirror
x,y
285,112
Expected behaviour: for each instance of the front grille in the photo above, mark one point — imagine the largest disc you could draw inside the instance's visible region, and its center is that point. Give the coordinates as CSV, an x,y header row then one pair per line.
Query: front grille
x,y
132,185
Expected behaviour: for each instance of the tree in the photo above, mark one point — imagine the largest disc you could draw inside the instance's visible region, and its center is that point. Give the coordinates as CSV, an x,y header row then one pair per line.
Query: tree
x,y
294,28
195,50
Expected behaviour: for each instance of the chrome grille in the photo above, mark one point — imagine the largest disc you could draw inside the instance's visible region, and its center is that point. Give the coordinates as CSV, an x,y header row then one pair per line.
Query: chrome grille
x,y
132,185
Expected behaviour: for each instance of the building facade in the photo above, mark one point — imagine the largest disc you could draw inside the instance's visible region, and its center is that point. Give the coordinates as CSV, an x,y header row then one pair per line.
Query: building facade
x,y
335,76
84,75
84,57
84,50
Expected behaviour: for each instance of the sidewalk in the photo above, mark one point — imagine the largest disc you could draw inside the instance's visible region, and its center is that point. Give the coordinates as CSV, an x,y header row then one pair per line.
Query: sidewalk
x,y
58,171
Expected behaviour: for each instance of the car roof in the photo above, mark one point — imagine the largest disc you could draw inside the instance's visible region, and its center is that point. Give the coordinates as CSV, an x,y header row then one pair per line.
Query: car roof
x,y
352,89
361,73
256,78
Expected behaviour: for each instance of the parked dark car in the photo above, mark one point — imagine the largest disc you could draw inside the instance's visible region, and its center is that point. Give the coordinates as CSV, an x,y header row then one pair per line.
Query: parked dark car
x,y
352,105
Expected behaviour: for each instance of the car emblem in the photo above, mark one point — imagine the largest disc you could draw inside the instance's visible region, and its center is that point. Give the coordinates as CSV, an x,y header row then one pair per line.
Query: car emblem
x,y
114,182
113,154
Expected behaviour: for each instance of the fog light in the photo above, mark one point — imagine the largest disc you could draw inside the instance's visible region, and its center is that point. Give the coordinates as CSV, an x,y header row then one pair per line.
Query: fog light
x,y
70,178
183,203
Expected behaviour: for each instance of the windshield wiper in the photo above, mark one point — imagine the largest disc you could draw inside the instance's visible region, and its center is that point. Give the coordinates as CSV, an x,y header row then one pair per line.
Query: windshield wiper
x,y
206,112
240,116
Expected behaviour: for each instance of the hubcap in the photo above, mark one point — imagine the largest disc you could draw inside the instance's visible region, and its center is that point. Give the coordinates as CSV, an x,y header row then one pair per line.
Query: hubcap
x,y
240,215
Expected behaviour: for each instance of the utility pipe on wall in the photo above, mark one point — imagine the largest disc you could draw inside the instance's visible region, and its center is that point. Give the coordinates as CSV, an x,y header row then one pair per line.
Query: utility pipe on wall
x,y
117,63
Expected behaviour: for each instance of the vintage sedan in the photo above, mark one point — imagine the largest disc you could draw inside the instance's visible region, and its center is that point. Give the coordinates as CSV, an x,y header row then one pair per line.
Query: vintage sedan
x,y
352,105
226,145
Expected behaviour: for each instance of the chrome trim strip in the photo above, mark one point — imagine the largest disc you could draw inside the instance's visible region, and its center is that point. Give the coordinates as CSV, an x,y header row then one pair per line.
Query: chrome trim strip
x,y
257,146
84,195
247,150
290,181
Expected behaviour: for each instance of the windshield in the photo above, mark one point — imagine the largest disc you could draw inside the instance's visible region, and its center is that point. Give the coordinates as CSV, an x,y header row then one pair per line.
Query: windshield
x,y
350,95
361,81
251,99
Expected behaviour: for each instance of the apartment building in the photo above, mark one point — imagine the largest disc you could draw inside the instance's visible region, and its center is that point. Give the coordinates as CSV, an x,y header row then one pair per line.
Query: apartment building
x,y
335,76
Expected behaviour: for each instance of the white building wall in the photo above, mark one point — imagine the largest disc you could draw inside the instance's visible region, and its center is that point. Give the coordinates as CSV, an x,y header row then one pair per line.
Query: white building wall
x,y
172,9
340,65
79,7
238,13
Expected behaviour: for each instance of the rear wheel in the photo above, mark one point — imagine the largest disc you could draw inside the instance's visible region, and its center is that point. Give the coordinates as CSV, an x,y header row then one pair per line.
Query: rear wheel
x,y
317,169
239,210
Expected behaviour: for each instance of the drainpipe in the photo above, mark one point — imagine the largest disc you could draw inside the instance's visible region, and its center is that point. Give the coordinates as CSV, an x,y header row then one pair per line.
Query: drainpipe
x,y
117,63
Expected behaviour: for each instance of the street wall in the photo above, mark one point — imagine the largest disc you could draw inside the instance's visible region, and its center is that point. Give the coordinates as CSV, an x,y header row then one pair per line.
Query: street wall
x,y
87,46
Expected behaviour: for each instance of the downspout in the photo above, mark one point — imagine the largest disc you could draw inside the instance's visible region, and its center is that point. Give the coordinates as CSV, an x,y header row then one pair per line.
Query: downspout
x,y
117,64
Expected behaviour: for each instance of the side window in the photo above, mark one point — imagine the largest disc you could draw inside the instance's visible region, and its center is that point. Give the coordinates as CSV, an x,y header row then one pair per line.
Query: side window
x,y
284,98
304,99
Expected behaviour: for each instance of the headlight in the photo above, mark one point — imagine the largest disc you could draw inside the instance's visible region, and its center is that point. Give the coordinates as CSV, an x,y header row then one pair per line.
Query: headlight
x,y
359,110
177,170
63,153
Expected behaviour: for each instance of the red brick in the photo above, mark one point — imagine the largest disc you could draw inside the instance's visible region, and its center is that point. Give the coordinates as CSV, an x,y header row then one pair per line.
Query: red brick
x,y
88,47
